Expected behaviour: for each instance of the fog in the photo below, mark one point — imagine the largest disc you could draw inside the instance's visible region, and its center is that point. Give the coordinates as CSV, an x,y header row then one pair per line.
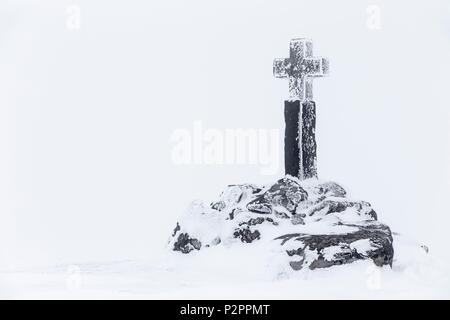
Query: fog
x,y
87,112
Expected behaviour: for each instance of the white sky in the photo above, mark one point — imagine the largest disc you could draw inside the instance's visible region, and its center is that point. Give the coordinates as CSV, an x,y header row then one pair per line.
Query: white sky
x,y
86,116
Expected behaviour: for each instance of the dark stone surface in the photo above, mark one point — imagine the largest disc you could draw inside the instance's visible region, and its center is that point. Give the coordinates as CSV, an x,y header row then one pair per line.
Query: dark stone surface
x,y
379,235
177,228
297,219
186,244
253,221
258,220
219,205
246,235
234,212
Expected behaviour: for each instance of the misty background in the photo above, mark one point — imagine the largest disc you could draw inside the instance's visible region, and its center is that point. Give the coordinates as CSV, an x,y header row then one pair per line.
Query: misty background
x,y
87,114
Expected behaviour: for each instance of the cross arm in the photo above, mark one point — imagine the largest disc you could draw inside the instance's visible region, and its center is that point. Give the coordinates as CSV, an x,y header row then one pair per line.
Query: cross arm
x,y
280,67
316,67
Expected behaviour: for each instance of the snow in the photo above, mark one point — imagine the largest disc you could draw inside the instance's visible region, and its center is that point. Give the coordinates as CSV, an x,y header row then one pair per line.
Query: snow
x,y
362,246
234,273
200,219
330,252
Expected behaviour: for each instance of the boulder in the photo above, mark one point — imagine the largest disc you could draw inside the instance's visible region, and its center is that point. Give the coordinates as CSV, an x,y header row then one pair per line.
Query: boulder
x,y
370,241
337,205
331,189
284,196
260,205
247,235
310,224
286,193
186,244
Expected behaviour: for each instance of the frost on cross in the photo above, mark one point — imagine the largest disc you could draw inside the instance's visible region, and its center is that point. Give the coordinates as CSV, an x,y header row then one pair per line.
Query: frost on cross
x,y
300,68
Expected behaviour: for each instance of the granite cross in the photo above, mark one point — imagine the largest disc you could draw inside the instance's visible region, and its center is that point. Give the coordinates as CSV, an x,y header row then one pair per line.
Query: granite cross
x,y
300,155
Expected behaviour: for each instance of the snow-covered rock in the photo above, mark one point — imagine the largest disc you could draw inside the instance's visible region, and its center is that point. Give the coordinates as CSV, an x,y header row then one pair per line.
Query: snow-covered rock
x,y
309,224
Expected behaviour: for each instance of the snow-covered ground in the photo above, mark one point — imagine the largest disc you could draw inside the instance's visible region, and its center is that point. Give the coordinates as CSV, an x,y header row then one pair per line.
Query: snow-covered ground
x,y
234,273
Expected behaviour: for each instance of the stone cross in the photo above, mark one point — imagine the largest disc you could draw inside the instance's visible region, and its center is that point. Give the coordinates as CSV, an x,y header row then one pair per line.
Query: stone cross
x,y
300,155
